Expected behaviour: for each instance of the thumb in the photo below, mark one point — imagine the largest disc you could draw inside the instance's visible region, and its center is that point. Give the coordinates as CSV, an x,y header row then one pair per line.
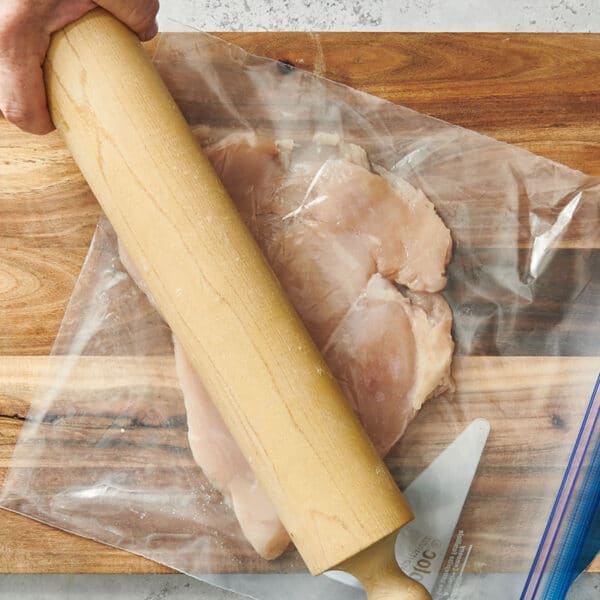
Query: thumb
x,y
23,97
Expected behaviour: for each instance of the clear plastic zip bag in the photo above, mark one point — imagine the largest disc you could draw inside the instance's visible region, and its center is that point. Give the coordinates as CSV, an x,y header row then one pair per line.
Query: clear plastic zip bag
x,y
105,453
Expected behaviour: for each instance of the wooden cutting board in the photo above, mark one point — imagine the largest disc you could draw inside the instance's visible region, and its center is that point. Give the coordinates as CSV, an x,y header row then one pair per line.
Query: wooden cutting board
x,y
538,91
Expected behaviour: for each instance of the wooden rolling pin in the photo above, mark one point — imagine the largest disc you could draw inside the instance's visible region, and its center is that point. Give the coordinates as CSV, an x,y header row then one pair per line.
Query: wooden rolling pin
x,y
211,283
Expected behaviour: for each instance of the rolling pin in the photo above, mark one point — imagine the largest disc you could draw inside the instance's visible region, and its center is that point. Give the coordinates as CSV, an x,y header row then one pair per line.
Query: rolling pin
x,y
214,288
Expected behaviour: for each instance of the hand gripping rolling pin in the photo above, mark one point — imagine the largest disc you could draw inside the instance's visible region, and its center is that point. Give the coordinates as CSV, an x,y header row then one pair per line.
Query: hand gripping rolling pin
x,y
331,490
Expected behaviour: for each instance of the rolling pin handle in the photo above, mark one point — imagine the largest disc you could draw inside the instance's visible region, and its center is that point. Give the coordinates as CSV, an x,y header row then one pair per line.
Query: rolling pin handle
x,y
377,570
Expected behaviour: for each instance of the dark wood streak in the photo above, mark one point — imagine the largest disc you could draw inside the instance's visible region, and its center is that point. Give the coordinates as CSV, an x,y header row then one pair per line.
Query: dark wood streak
x,y
521,395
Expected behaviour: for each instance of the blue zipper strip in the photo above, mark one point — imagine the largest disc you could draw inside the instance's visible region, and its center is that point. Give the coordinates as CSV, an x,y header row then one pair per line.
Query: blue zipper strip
x,y
573,511
566,563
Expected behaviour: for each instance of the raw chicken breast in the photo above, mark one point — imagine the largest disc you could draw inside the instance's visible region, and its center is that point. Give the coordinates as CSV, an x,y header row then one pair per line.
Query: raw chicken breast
x,y
387,348
406,239
217,454
275,180
251,169
351,224
223,463
341,240
268,180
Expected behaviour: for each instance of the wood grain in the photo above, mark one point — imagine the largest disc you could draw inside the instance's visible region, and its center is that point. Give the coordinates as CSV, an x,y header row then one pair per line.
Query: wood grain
x,y
539,91
47,219
518,395
45,204
26,543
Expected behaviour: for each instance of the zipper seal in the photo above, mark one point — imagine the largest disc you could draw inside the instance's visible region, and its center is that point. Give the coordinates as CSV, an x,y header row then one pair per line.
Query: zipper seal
x,y
574,508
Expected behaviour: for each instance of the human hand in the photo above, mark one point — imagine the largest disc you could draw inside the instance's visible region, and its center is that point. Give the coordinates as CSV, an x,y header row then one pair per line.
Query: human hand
x,y
25,29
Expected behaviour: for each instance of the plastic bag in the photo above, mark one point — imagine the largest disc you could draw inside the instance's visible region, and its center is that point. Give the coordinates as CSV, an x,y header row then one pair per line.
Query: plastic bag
x,y
104,451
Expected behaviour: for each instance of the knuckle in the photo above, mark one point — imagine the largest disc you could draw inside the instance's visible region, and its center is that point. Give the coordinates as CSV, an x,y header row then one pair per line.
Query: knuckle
x,y
142,14
19,32
17,116
12,20
24,118
7,37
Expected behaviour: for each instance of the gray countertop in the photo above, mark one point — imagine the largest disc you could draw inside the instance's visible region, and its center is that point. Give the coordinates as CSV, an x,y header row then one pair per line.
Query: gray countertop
x,y
381,15
340,15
